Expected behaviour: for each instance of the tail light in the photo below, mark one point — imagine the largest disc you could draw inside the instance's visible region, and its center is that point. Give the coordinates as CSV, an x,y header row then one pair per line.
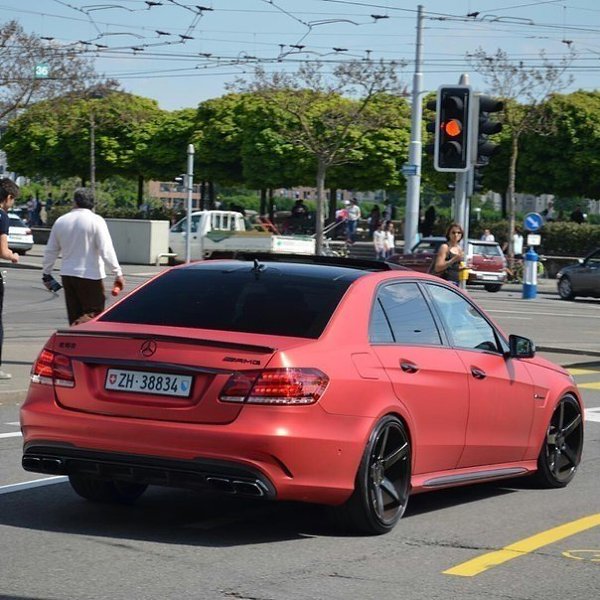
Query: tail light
x,y
275,386
51,368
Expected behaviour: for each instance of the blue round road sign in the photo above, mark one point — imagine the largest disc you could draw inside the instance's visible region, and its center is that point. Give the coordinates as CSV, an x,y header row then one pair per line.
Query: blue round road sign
x,y
533,222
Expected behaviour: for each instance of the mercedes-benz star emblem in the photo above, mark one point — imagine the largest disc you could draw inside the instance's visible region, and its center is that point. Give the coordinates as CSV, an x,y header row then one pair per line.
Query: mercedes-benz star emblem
x,y
148,348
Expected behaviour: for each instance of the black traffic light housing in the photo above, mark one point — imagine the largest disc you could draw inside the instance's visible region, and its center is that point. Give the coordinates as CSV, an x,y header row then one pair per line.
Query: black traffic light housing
x,y
452,129
483,106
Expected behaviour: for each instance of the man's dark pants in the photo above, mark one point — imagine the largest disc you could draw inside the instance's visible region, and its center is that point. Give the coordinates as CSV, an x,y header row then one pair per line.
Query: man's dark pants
x,y
83,296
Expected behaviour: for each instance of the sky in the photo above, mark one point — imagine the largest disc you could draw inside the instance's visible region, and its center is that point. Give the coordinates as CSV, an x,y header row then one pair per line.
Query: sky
x,y
181,52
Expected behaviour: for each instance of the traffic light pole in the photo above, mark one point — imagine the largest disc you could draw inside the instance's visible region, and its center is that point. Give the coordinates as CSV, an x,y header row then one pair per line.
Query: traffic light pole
x,y
413,183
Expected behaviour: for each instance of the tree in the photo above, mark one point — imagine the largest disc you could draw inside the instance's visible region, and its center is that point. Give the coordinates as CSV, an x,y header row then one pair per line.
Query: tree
x,y
20,53
53,137
532,86
327,121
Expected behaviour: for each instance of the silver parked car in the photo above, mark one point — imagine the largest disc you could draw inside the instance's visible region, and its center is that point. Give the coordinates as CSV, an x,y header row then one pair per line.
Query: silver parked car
x,y
20,238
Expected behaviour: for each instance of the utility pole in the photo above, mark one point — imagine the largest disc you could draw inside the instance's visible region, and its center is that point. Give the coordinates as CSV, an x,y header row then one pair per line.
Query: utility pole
x,y
190,186
412,171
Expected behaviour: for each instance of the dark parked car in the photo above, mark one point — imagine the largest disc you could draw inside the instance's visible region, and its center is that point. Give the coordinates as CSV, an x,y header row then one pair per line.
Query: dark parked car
x,y
486,262
581,279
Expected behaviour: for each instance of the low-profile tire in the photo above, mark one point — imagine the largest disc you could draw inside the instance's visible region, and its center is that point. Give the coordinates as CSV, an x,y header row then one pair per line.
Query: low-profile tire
x,y
382,482
563,443
565,288
103,490
493,287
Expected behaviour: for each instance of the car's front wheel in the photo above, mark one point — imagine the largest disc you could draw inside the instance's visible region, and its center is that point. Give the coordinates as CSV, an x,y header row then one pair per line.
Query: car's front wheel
x,y
382,482
102,490
565,288
561,452
493,287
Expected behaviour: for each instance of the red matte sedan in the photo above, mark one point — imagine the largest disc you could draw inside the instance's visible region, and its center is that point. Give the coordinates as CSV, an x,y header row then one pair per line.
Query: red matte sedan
x,y
322,380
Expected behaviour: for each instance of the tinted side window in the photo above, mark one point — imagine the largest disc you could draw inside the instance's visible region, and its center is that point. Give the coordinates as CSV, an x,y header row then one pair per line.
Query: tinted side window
x,y
379,328
408,314
466,325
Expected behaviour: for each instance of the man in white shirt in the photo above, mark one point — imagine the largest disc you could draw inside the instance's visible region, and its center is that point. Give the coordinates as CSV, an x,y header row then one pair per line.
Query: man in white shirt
x,y
354,214
488,236
83,240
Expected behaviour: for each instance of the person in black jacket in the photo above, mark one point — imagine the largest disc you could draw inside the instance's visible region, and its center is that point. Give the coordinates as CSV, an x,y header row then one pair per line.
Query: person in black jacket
x,y
9,192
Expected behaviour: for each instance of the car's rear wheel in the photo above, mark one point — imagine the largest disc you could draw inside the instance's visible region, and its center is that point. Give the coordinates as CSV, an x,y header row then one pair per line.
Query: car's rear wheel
x,y
102,490
561,452
493,287
382,482
565,288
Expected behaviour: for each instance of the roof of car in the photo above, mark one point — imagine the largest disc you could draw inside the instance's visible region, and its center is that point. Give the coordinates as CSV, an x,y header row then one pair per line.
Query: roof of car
x,y
314,265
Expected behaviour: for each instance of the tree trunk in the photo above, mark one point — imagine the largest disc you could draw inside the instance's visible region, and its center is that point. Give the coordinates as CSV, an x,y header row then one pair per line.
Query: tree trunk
x,y
271,205
321,172
263,201
211,194
332,205
140,194
203,195
510,194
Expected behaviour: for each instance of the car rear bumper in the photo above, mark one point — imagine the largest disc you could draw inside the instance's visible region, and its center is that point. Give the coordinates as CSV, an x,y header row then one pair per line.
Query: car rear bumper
x,y
288,453
483,277
20,245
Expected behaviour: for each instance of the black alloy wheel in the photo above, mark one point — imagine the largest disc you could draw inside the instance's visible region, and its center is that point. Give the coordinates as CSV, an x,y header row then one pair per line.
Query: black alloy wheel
x,y
103,490
383,481
561,452
565,288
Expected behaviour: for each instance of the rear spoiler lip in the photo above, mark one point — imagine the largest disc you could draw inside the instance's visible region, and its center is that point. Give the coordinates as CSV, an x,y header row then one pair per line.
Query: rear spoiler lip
x,y
170,338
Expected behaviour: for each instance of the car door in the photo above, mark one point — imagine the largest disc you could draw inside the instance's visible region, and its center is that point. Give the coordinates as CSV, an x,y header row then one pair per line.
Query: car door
x,y
427,375
177,238
589,275
501,392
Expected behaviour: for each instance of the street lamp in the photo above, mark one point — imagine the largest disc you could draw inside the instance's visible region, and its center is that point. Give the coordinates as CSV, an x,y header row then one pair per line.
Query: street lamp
x,y
93,95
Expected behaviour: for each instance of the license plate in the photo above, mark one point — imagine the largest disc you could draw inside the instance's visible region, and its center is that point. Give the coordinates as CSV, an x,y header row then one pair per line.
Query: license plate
x,y
490,277
148,382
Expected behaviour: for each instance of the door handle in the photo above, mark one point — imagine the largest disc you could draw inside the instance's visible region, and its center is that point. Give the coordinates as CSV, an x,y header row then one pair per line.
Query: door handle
x,y
478,373
408,367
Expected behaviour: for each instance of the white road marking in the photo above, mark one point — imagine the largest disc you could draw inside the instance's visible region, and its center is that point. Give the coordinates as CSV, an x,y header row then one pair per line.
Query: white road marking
x,y
15,423
592,414
11,434
27,485
546,314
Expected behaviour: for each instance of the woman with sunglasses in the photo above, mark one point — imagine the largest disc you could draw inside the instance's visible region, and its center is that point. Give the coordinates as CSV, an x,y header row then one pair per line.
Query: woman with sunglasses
x,y
449,255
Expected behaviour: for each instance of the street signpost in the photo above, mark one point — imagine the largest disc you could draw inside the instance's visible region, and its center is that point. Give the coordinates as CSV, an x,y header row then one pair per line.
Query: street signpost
x,y
409,170
42,71
533,222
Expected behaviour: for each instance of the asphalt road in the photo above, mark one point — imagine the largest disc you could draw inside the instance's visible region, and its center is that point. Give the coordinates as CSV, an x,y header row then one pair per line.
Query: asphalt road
x,y
178,544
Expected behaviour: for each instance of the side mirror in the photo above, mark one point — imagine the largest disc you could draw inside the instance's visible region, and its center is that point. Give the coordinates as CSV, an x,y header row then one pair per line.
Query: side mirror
x,y
520,347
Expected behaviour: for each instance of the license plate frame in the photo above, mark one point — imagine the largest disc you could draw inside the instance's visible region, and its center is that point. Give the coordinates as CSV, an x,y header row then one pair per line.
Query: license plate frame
x,y
156,383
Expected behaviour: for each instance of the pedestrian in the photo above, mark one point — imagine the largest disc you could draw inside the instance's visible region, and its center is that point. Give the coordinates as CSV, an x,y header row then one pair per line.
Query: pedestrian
x,y
354,215
48,205
374,220
488,236
449,255
429,221
83,240
388,211
37,213
9,192
390,239
577,215
379,236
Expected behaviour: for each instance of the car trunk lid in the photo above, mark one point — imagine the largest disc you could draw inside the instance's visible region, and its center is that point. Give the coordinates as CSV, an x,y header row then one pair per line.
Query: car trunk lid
x,y
168,375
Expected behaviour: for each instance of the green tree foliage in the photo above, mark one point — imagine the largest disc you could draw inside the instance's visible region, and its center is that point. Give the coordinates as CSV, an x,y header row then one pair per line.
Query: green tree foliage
x,y
52,138
566,162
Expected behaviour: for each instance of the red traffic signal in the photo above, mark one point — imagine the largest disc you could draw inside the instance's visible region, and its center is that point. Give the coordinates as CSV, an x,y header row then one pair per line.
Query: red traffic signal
x,y
452,149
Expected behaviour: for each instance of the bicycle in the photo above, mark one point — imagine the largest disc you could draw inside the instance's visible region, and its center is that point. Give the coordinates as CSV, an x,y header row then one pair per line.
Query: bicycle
x,y
516,275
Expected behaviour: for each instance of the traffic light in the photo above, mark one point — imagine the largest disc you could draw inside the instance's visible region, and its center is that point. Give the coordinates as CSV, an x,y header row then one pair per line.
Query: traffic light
x,y
483,106
452,148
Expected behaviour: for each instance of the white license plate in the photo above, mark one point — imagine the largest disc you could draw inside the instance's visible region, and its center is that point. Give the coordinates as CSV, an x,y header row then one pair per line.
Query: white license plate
x,y
490,277
148,382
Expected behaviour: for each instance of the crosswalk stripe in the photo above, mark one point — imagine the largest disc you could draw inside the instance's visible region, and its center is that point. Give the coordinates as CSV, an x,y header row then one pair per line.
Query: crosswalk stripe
x,y
576,372
595,385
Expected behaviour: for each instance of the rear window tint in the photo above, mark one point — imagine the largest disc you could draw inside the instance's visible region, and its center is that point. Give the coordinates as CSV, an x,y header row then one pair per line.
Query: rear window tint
x,y
271,302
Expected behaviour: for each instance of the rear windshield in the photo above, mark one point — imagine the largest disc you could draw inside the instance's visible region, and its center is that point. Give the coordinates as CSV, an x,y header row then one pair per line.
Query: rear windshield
x,y
274,301
487,250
